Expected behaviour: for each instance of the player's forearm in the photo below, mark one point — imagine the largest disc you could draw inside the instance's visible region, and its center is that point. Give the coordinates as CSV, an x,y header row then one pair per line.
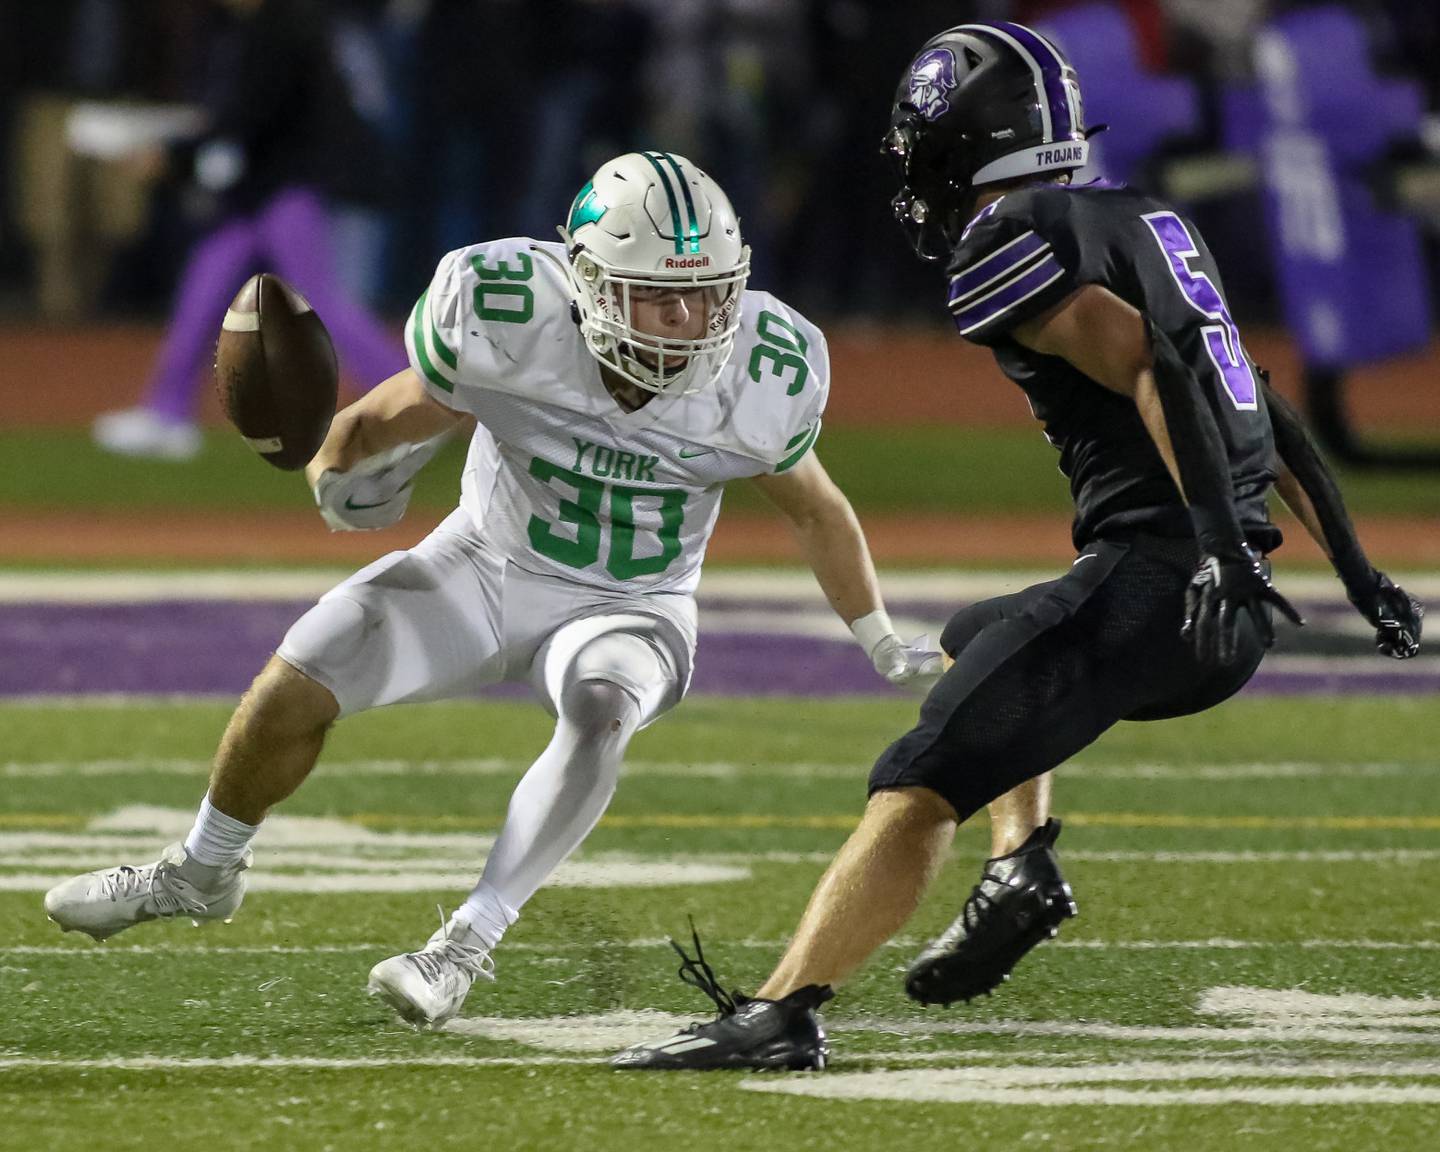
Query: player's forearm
x,y
1188,439
1309,490
834,546
397,411
1290,490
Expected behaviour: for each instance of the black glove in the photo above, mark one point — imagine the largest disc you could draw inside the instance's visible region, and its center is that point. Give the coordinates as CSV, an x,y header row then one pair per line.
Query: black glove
x,y
1394,613
1222,587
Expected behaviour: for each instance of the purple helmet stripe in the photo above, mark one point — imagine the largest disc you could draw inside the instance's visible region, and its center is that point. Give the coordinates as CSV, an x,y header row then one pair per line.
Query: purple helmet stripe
x,y
998,264
1051,63
997,303
1041,96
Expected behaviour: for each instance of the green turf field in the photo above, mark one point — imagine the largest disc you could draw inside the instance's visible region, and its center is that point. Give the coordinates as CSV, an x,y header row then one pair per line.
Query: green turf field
x,y
954,470
1255,965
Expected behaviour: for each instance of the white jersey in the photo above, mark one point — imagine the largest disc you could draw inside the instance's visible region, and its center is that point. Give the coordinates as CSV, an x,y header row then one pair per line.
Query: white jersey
x,y
560,479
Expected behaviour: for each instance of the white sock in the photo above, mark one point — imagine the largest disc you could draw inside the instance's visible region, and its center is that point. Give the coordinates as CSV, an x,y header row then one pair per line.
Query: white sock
x,y
556,804
216,840
486,914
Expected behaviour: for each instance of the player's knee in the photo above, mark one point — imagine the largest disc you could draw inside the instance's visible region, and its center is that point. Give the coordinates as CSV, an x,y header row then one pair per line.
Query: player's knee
x,y
328,645
598,708
283,702
962,628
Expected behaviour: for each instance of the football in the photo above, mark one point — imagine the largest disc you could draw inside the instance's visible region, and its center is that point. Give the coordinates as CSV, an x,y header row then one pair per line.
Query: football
x,y
275,372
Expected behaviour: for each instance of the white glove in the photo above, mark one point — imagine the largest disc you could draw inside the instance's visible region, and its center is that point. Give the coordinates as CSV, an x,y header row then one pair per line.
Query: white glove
x,y
915,665
375,493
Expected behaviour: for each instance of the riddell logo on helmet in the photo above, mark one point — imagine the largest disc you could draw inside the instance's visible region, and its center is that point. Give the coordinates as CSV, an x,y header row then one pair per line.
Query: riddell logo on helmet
x,y
687,262
1050,156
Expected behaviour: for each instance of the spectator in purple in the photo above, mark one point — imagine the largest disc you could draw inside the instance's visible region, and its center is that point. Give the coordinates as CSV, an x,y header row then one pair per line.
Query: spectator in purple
x,y
282,141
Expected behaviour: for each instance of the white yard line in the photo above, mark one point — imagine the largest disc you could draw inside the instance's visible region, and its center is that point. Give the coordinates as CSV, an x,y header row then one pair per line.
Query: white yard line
x,y
318,1063
655,873
942,1086
787,584
110,950
720,770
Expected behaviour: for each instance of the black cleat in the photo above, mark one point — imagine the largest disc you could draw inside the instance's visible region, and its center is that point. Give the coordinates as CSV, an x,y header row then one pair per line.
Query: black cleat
x,y
1021,900
746,1033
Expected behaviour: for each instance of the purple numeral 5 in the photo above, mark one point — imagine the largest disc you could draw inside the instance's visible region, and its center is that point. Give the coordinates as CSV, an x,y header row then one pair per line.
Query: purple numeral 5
x,y
1222,339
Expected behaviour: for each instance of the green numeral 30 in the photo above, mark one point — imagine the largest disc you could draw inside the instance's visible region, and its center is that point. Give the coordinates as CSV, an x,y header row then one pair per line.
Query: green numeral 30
x,y
499,283
784,347
584,513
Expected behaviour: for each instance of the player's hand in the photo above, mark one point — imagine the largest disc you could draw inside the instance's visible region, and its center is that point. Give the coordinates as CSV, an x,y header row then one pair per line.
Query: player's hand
x,y
1224,586
1394,614
375,492
914,666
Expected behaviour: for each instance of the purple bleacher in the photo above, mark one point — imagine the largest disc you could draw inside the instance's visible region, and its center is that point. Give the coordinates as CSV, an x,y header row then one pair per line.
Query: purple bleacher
x,y
1352,275
1145,111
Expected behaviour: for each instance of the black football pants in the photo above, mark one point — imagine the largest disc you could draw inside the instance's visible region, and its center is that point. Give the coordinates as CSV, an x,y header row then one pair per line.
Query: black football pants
x,y
1041,673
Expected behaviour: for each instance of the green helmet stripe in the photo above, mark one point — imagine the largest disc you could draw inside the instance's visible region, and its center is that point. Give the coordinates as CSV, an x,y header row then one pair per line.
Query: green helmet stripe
x,y
674,203
689,203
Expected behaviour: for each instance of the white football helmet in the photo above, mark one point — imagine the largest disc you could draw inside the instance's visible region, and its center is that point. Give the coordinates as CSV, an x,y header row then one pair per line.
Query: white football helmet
x,y
647,222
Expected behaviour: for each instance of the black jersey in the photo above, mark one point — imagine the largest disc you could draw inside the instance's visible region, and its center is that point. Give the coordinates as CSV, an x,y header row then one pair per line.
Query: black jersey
x,y
1030,249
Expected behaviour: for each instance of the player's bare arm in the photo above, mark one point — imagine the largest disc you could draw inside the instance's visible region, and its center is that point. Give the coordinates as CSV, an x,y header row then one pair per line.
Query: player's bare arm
x,y
1119,348
1309,490
362,475
397,411
829,535
834,546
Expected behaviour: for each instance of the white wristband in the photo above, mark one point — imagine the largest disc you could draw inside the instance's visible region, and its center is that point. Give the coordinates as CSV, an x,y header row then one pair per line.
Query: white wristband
x,y
870,630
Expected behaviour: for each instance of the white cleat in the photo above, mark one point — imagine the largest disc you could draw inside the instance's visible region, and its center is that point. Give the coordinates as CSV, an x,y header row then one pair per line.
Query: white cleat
x,y
428,987
140,432
101,904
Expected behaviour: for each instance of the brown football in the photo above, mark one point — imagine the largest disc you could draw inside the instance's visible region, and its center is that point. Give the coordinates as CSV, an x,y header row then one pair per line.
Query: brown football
x,y
275,372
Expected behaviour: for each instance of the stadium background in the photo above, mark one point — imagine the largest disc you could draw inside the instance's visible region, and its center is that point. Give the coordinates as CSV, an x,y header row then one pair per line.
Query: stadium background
x,y
487,115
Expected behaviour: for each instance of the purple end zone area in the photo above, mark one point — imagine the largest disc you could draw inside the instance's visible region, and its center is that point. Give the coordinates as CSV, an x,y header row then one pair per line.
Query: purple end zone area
x,y
216,648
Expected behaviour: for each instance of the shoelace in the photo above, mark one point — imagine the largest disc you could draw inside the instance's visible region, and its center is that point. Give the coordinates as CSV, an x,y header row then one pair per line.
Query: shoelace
x,y
980,904
697,972
432,959
124,882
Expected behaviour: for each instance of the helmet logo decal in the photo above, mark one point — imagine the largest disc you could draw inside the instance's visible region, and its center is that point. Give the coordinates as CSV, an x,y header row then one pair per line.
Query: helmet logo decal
x,y
587,208
932,79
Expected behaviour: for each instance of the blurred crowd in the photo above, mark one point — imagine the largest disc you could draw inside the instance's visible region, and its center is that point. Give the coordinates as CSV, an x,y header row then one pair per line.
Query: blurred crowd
x,y
442,122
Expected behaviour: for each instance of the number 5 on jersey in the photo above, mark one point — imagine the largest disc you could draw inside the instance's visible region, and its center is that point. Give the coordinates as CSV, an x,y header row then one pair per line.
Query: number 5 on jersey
x,y
584,513
1222,338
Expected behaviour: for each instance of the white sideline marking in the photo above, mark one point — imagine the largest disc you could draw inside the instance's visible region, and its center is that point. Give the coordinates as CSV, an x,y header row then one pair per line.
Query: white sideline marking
x,y
1211,1034
571,874
81,854
1302,856
1003,1084
1031,1087
794,585
1286,1004
771,945
151,819
183,1063
285,839
720,770
606,1032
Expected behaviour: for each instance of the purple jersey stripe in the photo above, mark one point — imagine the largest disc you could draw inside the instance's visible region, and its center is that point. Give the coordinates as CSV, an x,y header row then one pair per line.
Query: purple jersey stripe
x,y
1062,117
995,305
1001,262
1001,281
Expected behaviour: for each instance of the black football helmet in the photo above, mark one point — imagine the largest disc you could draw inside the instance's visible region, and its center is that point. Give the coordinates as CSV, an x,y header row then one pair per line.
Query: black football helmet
x,y
979,103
